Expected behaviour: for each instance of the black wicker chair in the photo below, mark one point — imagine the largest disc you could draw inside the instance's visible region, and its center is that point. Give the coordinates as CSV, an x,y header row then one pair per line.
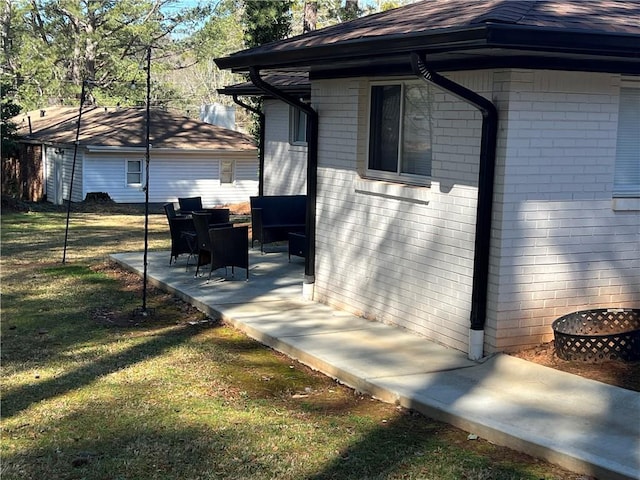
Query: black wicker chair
x,y
216,215
183,234
202,222
170,210
217,251
229,248
190,204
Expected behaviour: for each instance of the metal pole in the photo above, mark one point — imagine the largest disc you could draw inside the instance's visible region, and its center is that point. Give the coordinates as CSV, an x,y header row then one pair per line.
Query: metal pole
x,y
73,169
146,184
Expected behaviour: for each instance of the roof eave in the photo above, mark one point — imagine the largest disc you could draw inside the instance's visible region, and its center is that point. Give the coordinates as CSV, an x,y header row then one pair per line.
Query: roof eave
x,y
304,92
526,39
349,50
249,152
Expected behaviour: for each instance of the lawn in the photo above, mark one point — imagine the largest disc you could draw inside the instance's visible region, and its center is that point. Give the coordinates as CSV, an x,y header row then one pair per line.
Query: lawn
x,y
177,395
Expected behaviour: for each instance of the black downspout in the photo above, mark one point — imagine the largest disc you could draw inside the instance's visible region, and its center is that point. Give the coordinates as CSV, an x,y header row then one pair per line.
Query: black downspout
x,y
485,184
312,167
261,140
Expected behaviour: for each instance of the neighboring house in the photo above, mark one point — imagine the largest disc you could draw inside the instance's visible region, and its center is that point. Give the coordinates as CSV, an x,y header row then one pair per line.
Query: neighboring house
x,y
473,167
187,157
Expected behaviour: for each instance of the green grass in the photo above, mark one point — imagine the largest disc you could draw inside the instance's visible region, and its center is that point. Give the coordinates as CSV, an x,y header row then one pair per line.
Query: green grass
x,y
175,397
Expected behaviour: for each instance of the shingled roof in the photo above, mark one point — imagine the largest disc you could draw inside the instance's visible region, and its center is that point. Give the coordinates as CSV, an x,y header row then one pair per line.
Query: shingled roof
x,y
453,32
293,83
125,128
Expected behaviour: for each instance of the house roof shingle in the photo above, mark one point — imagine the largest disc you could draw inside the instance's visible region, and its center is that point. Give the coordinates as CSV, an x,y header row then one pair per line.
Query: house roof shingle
x,y
593,29
125,128
294,83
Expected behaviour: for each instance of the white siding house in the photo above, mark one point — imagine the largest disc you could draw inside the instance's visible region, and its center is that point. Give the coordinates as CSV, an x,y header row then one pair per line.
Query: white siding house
x,y
397,235
187,157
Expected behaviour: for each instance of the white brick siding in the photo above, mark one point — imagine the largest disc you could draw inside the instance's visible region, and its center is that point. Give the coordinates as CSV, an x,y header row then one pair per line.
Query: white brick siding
x,y
404,255
285,172
558,245
397,260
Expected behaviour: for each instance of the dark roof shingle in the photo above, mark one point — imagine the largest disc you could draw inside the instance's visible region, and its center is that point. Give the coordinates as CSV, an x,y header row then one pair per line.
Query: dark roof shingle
x,y
593,16
572,27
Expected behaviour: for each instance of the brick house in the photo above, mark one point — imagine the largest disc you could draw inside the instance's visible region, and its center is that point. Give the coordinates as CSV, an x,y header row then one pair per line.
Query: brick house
x,y
473,167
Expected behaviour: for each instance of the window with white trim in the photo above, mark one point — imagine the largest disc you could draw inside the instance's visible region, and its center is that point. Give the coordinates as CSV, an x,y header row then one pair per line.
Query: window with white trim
x,y
226,171
626,181
400,131
134,172
297,126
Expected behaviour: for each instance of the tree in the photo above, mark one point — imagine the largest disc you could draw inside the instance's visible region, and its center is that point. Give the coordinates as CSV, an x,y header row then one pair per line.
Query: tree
x,y
8,128
351,10
310,18
266,21
58,44
221,35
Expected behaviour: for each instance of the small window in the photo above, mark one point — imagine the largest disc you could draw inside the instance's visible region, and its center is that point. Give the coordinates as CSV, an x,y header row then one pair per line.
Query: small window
x,y
226,171
400,131
134,172
627,171
298,126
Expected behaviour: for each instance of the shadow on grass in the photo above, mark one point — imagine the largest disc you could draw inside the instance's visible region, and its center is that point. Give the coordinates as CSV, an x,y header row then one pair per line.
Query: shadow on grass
x,y
17,400
144,441
39,237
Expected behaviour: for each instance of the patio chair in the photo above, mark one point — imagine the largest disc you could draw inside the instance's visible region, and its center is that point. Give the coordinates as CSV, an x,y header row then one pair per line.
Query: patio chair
x,y
202,223
170,210
229,248
189,204
216,215
183,234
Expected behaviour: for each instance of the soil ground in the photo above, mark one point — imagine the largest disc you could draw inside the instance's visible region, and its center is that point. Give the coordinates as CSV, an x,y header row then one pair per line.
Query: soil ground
x,y
618,373
622,374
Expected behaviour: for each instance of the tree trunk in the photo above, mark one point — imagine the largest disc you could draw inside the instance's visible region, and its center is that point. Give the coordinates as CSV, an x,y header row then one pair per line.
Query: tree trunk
x,y
310,16
351,9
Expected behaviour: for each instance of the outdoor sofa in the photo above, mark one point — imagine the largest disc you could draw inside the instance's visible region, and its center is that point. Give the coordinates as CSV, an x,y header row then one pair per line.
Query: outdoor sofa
x,y
274,217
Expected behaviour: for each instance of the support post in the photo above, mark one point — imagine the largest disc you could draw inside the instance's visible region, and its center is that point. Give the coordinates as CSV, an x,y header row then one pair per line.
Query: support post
x,y
312,170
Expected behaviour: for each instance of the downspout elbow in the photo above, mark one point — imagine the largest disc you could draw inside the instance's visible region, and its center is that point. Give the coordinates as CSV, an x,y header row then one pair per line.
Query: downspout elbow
x,y
485,195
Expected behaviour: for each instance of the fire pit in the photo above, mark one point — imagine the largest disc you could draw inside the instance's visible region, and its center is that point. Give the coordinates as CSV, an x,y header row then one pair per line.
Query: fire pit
x,y
600,335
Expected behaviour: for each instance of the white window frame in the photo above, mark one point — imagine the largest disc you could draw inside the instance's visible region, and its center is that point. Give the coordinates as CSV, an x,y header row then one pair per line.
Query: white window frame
x,y
127,172
232,174
627,162
398,176
296,116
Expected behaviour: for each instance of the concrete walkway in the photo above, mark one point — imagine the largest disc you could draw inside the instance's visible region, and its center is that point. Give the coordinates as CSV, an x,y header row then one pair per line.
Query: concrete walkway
x,y
582,425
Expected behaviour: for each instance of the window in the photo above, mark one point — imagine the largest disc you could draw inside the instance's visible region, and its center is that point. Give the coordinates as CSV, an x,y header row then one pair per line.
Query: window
x,y
134,172
627,172
400,131
226,171
298,126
